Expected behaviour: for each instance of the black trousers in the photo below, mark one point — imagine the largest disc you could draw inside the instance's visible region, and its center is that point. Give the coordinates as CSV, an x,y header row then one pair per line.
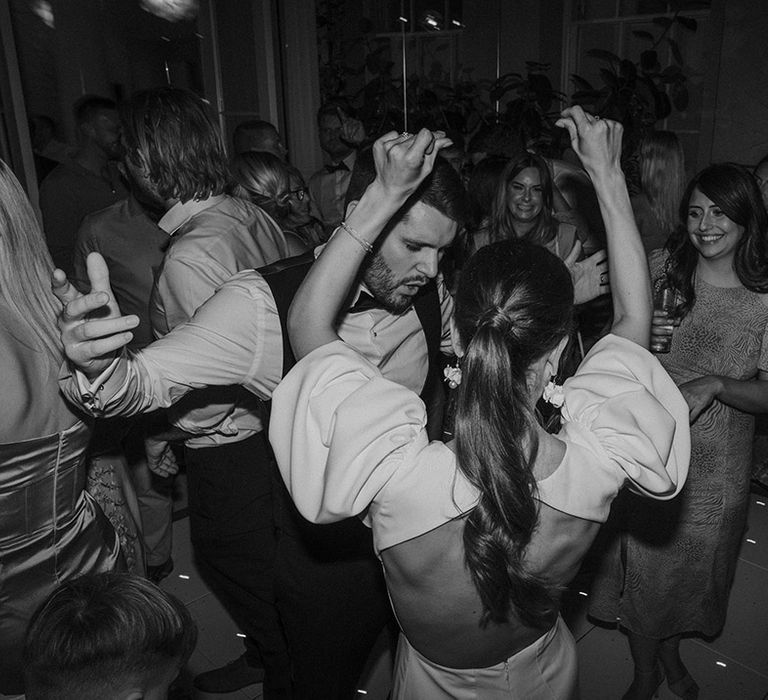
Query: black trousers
x,y
233,536
332,599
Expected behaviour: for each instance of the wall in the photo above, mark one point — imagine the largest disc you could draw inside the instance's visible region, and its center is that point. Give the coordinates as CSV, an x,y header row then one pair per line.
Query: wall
x,y
301,86
740,131
507,29
103,47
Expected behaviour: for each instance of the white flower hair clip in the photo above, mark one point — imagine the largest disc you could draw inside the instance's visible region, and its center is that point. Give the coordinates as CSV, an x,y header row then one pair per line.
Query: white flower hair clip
x,y
554,394
452,376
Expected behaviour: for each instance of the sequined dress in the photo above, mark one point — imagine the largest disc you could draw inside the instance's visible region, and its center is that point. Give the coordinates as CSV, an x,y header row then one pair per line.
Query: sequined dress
x,y
680,555
50,529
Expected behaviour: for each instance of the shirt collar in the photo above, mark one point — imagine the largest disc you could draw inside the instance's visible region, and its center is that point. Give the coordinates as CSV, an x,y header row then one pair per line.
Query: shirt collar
x,y
349,160
181,212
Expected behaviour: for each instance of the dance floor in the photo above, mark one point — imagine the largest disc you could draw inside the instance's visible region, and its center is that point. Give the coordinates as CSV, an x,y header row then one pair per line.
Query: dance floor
x,y
735,665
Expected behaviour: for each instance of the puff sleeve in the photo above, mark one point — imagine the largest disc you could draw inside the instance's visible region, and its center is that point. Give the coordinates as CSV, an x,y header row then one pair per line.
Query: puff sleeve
x,y
624,422
349,442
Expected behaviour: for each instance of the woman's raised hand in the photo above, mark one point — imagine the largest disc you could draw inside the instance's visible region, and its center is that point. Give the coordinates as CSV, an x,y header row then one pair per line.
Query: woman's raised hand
x,y
404,160
596,141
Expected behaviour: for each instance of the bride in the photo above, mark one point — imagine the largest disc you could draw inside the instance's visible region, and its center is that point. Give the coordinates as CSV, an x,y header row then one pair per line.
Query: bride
x,y
478,537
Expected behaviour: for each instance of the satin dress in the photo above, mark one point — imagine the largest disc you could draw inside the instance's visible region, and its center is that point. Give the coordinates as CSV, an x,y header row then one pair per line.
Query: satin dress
x,y
349,442
50,528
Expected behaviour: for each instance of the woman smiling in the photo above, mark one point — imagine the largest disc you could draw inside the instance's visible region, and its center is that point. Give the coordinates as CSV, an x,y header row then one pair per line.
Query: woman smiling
x,y
672,567
529,206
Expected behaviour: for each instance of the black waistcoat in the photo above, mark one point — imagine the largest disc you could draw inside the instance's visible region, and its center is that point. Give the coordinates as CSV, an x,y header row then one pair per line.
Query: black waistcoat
x,y
284,278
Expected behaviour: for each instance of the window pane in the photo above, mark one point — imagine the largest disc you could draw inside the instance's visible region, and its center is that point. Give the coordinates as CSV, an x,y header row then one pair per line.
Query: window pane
x,y
594,36
693,47
110,48
385,15
594,9
643,7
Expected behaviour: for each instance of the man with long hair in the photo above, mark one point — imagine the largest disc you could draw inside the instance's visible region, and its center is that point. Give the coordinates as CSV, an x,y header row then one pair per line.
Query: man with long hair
x,y
176,155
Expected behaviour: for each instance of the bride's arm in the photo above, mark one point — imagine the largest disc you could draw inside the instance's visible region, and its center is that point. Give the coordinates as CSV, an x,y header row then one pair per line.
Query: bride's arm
x,y
598,143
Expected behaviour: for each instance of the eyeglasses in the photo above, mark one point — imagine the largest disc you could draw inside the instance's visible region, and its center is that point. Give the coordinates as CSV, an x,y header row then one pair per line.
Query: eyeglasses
x,y
299,193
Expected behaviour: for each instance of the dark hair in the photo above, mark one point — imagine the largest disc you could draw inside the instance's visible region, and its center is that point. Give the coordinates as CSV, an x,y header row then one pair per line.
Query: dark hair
x,y
732,188
35,121
249,134
97,633
255,125
265,180
89,106
332,107
514,305
502,225
482,186
172,132
442,189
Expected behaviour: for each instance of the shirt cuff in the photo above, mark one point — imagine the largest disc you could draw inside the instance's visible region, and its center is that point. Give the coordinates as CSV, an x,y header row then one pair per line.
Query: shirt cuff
x,y
90,392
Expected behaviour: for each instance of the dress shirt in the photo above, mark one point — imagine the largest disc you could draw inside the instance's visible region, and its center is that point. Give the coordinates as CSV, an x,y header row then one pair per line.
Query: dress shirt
x,y
212,239
133,247
328,191
235,338
69,193
395,343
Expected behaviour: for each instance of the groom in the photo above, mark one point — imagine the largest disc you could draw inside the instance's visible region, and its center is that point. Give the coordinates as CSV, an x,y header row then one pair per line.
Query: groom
x,y
330,591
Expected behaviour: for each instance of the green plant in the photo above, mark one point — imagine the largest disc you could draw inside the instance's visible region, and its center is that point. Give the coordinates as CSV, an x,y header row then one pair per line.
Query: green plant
x,y
528,107
515,111
639,93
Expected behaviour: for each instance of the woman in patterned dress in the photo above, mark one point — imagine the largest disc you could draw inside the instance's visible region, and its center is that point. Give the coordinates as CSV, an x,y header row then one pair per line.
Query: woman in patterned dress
x,y
672,564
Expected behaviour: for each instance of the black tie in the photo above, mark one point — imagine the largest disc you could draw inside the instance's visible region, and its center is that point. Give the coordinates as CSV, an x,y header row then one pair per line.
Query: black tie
x,y
336,168
365,302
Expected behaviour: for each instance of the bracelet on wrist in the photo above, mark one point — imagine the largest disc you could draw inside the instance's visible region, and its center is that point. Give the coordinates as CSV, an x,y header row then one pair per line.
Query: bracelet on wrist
x,y
365,245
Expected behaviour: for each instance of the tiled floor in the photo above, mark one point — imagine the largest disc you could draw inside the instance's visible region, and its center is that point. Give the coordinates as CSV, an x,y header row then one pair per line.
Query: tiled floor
x,y
735,665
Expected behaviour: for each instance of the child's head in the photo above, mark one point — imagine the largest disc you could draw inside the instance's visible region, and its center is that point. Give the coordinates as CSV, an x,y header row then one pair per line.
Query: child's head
x,y
107,637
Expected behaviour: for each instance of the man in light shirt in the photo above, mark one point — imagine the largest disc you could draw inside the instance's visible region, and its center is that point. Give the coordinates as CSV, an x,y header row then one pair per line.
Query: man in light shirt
x,y
330,590
175,152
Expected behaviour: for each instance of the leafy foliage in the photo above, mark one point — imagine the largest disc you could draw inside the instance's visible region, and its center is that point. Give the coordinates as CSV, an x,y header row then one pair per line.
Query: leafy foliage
x,y
639,93
518,110
515,110
530,108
